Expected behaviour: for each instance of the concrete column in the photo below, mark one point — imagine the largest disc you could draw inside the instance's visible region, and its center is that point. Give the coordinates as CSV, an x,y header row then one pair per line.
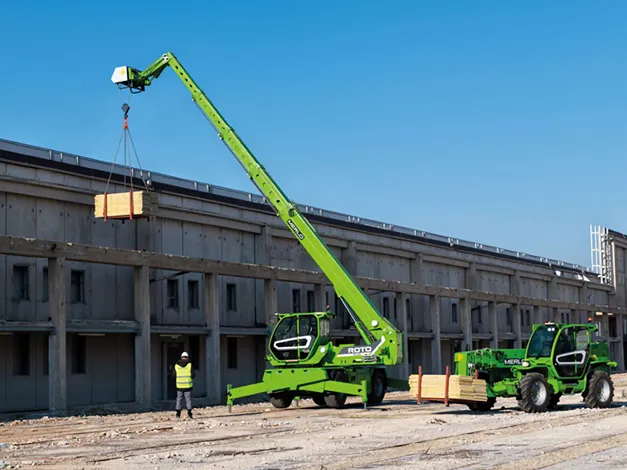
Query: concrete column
x,y
141,289
57,352
605,327
620,349
402,313
553,288
516,325
494,325
320,298
211,309
349,260
270,304
471,283
416,275
515,285
537,318
554,315
263,255
466,320
436,346
584,298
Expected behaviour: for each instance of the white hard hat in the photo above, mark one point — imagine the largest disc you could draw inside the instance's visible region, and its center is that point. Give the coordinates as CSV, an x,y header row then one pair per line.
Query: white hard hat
x,y
184,355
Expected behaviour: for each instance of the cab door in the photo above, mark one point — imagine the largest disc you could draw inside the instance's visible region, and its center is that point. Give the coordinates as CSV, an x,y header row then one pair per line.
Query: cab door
x,y
571,352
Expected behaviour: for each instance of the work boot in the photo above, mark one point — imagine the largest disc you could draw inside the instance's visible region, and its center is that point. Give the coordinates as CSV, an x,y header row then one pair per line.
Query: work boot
x,y
178,414
189,414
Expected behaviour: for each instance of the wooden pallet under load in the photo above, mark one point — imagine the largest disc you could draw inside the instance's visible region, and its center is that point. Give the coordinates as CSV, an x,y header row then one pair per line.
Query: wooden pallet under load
x,y
127,205
447,388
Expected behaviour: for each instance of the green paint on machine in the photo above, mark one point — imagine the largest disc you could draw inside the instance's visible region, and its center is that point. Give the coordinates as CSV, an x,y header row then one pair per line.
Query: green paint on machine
x,y
559,359
305,363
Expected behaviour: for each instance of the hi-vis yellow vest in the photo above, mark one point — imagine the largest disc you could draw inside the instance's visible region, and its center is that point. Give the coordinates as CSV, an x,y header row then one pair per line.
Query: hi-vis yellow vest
x,y
183,376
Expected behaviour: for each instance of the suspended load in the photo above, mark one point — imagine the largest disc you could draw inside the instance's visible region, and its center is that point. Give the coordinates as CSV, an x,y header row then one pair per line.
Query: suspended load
x,y
132,204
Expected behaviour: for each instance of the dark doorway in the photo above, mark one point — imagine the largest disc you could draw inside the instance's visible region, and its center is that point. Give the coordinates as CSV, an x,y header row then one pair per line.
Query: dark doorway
x,y
171,353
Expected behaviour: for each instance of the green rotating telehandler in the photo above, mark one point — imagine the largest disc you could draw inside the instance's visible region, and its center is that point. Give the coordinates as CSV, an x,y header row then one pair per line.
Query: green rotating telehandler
x,y
559,359
305,363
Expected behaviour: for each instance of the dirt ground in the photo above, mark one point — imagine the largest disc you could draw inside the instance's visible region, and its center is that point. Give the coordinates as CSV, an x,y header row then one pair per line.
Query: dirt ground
x,y
397,434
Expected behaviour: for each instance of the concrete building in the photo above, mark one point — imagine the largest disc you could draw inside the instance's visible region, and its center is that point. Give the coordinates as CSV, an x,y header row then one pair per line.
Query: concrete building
x,y
109,353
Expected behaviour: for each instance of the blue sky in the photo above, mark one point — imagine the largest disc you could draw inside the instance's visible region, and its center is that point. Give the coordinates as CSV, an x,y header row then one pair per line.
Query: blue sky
x,y
498,122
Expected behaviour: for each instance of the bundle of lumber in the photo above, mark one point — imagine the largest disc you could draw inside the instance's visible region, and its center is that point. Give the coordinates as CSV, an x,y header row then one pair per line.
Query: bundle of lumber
x,y
459,387
118,205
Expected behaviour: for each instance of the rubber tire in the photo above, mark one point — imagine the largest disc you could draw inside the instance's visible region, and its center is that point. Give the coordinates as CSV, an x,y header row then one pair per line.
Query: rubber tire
x,y
378,382
281,400
525,402
318,399
483,406
555,398
591,400
333,399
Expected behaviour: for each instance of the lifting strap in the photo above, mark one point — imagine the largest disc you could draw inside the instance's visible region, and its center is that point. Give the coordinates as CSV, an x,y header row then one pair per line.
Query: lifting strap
x,y
126,137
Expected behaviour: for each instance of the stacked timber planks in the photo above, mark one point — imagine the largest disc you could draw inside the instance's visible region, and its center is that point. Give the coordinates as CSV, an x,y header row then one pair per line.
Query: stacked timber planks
x,y
118,205
460,387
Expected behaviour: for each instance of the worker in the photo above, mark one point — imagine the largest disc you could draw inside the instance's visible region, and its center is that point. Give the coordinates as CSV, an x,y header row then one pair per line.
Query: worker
x,y
184,383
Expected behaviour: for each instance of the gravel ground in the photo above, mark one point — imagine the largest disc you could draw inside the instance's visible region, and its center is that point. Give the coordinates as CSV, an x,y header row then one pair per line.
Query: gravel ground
x,y
397,434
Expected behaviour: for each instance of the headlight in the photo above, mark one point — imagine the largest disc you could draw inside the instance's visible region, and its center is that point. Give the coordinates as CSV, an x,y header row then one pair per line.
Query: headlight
x,y
525,364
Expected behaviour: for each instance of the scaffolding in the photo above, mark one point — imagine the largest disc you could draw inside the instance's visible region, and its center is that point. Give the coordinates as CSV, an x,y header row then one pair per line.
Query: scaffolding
x,y
601,254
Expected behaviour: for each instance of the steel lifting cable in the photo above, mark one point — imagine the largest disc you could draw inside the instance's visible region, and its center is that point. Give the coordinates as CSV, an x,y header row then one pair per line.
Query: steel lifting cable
x,y
126,137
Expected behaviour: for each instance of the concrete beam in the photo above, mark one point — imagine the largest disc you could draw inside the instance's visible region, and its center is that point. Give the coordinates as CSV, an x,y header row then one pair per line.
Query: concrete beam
x,y
57,349
30,247
211,309
33,247
436,342
143,357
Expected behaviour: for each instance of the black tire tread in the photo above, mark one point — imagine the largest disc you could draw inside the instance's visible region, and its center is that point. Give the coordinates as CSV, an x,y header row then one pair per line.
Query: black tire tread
x,y
281,400
374,400
524,401
591,400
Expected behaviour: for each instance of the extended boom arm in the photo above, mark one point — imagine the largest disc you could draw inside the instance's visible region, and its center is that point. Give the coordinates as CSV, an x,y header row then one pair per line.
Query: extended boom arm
x,y
370,323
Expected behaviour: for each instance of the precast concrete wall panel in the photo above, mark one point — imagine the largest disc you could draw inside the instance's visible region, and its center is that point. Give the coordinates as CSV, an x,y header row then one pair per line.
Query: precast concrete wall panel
x,y
5,286
619,264
78,228
533,288
21,220
244,371
192,296
108,374
23,389
156,368
172,302
104,277
493,282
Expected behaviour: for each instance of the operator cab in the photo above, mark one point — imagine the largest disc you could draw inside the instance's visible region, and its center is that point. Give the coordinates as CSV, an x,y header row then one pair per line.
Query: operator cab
x,y
296,336
566,346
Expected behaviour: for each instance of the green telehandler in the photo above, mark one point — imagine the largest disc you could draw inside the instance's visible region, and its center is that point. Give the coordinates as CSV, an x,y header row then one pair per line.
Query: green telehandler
x,y
305,362
559,359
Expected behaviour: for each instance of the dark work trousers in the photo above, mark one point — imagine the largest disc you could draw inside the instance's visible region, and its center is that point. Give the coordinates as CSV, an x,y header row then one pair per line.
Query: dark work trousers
x,y
180,394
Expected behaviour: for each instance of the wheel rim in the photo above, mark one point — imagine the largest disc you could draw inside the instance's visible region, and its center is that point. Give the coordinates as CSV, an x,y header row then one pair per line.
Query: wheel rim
x,y
538,393
602,390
